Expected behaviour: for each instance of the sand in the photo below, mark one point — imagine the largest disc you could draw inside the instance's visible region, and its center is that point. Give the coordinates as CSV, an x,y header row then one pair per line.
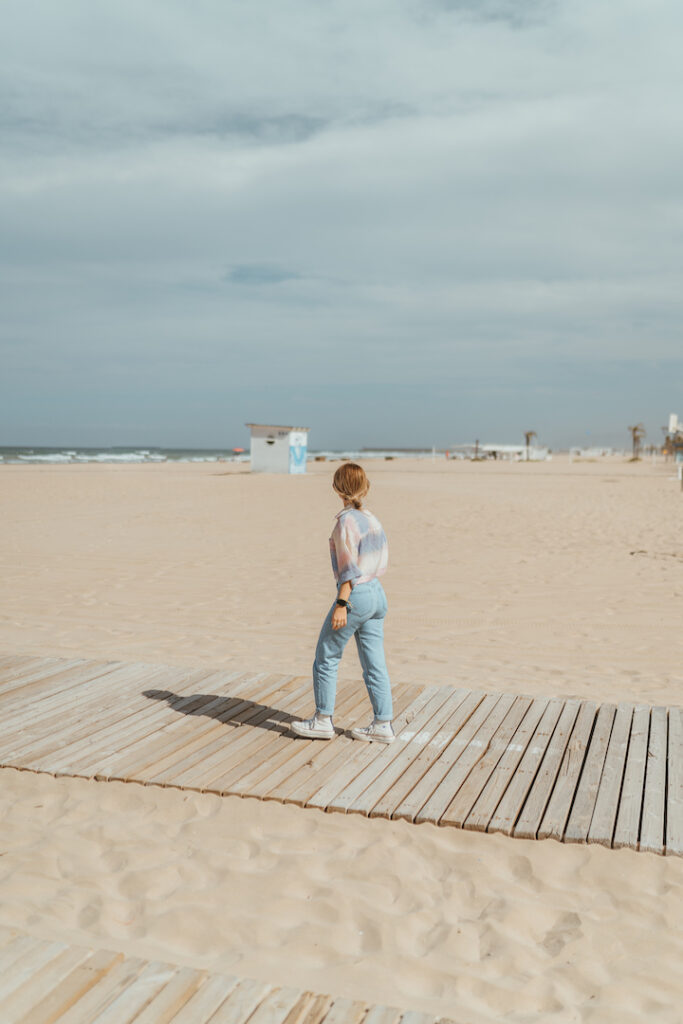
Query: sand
x,y
552,578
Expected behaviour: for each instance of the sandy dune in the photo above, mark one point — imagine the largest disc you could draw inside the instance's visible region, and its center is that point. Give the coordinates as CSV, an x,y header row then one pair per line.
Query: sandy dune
x,y
556,578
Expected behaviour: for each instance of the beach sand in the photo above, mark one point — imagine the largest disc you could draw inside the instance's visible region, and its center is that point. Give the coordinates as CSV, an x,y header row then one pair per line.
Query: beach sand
x,y
556,578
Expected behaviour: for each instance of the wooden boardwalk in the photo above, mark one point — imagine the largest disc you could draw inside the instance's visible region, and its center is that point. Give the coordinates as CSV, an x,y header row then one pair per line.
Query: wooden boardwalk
x,y
541,768
55,983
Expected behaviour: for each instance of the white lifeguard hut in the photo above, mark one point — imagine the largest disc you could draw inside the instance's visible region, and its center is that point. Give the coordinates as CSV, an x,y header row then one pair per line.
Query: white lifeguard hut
x,y
278,449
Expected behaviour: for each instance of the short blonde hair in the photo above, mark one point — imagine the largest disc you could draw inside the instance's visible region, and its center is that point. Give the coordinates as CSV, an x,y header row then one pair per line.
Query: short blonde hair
x,y
351,482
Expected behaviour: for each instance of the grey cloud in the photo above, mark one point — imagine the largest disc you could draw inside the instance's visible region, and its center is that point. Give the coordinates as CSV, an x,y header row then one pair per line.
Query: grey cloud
x,y
253,200
256,274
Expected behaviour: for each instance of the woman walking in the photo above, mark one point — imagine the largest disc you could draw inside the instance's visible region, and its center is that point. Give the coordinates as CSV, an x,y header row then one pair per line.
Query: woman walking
x,y
358,548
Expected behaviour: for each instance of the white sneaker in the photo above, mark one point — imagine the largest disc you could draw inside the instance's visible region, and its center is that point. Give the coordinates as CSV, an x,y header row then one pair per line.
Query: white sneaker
x,y
379,732
314,728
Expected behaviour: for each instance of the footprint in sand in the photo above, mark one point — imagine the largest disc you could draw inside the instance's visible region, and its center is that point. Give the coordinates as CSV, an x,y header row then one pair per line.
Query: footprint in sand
x,y
565,930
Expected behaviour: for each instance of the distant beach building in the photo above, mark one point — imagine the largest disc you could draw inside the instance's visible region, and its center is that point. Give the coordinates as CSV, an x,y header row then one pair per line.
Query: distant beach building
x,y
278,449
509,452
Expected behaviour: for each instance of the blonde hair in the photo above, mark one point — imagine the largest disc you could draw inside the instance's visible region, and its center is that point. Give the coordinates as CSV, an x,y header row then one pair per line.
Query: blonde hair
x,y
351,482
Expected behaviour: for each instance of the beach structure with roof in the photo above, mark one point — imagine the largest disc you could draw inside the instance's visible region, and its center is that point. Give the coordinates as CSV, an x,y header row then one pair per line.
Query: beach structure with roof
x,y
278,449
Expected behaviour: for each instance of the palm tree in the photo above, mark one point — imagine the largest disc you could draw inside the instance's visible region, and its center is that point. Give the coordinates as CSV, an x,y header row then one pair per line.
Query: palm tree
x,y
528,434
637,435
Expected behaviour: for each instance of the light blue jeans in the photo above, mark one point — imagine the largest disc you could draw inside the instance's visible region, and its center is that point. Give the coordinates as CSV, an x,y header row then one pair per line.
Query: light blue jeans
x,y
365,622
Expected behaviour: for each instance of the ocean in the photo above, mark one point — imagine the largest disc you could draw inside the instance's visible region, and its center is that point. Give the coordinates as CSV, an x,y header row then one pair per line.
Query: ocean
x,y
20,456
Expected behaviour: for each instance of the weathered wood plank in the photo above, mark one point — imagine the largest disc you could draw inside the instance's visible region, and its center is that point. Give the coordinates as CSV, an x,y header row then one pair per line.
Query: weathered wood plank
x,y
464,800
630,805
73,987
205,1002
460,712
189,733
361,754
103,729
313,1013
475,749
90,710
196,764
101,995
654,798
40,983
164,1006
389,775
276,1007
240,1003
587,790
559,805
604,816
418,796
308,752
383,1015
674,807
346,1011
541,789
326,761
252,749
486,803
510,805
408,743
189,718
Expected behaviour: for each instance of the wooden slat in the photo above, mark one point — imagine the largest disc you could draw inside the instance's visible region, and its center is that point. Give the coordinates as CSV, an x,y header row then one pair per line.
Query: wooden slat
x,y
42,670
351,703
279,757
25,966
164,1006
361,754
604,816
327,759
190,718
129,1003
542,787
13,954
244,750
314,1011
420,793
471,753
559,805
631,802
383,1015
674,806
203,1004
240,1003
384,782
464,800
97,712
460,712
404,748
180,761
581,815
40,983
72,988
104,731
346,1011
509,808
654,797
63,687
488,800
276,1007
181,737
101,995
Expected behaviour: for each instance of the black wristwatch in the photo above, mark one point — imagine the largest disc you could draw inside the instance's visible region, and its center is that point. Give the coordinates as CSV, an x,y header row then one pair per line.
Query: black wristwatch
x,y
342,604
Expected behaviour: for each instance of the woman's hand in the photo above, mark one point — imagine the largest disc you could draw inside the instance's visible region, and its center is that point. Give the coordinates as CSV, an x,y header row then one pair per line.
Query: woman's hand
x,y
338,617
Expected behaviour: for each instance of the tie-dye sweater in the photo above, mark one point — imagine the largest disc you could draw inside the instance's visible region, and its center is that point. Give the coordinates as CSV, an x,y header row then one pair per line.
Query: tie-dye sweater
x,y
358,547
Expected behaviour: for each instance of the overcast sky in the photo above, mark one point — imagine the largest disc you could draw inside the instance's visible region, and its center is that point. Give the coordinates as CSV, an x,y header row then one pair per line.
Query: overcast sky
x,y
398,222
